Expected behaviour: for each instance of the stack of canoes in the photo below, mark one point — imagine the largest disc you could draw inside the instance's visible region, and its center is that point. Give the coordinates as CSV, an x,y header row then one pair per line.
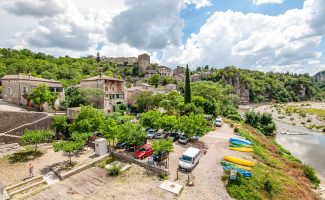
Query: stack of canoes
x,y
240,165
241,145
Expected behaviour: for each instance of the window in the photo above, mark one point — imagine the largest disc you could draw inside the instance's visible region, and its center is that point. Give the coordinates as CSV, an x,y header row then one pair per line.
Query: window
x,y
25,90
9,91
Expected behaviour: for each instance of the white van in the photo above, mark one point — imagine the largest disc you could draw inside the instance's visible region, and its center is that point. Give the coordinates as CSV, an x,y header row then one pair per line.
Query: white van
x,y
189,159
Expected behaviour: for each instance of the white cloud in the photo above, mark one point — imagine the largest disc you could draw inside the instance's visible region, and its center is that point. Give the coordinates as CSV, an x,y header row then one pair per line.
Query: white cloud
x,y
285,42
199,3
260,2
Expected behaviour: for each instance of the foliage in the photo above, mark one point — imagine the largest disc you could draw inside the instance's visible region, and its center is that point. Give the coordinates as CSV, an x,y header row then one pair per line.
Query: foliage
x,y
193,125
131,133
154,80
89,120
187,92
147,101
172,102
162,145
115,170
69,147
311,175
42,94
282,87
263,122
36,136
60,124
167,122
150,119
109,129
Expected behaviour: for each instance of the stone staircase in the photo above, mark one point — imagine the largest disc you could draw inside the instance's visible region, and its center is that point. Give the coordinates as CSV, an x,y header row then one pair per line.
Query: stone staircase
x,y
8,149
27,188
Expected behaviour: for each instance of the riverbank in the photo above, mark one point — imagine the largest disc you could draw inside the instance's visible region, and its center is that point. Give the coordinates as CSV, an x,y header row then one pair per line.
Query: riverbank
x,y
276,175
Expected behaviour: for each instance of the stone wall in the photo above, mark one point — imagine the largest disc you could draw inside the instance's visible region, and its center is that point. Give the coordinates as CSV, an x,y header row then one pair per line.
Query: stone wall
x,y
128,159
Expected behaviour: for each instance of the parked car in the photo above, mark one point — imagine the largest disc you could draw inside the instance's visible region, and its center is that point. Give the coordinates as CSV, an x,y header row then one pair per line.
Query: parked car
x,y
159,135
174,136
129,147
183,139
160,157
121,145
151,133
143,152
219,122
189,159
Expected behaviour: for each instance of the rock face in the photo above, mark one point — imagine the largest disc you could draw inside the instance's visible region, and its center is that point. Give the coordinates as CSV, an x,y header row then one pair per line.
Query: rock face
x,y
240,88
319,77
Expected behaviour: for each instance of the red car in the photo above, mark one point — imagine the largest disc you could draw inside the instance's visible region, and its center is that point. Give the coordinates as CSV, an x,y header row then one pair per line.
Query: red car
x,y
143,152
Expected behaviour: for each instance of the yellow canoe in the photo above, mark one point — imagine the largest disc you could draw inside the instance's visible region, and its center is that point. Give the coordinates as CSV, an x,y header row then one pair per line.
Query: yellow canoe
x,y
239,161
242,149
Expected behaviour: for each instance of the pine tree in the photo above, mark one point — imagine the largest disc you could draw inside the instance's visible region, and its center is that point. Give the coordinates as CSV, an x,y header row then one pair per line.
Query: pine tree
x,y
98,57
187,93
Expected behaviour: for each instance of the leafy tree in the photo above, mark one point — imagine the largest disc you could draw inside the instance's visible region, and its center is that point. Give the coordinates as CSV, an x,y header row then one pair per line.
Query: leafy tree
x,y
263,122
144,101
150,119
162,145
168,123
73,98
187,94
131,133
154,80
109,129
172,102
92,96
42,94
193,125
89,120
69,147
36,136
60,124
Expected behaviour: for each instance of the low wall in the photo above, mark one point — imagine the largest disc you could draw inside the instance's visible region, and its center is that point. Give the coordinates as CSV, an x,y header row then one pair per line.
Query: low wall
x,y
64,175
152,168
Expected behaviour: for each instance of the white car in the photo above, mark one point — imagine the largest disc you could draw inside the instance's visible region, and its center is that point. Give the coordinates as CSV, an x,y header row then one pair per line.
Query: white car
x,y
151,133
219,122
183,139
189,159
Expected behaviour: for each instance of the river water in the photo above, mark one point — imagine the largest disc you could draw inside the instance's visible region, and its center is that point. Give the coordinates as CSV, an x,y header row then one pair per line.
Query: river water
x,y
306,145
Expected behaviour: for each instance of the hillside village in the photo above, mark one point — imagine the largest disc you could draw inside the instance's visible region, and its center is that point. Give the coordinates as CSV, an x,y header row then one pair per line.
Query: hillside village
x,y
111,132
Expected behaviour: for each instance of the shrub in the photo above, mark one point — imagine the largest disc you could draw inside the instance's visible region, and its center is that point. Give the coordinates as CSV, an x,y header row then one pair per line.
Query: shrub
x,y
268,186
309,120
281,117
115,170
303,123
235,117
291,119
311,175
236,130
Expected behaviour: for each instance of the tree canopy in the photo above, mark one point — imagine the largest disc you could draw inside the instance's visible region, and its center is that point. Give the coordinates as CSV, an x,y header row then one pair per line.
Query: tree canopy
x,y
36,136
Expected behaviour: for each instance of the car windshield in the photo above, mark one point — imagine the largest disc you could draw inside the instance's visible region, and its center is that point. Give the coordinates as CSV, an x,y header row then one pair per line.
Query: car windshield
x,y
183,137
143,149
150,132
186,159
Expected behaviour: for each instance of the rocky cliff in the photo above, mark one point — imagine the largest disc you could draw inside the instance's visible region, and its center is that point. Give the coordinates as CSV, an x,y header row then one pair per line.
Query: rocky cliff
x,y
319,77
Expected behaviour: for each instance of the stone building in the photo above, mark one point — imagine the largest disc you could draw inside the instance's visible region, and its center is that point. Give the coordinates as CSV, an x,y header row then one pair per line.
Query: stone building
x,y
132,93
143,61
114,90
15,87
179,71
123,61
161,70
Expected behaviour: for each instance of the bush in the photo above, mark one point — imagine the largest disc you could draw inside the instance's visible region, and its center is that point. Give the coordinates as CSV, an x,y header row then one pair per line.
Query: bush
x,y
263,122
309,120
115,170
268,186
235,117
236,130
311,175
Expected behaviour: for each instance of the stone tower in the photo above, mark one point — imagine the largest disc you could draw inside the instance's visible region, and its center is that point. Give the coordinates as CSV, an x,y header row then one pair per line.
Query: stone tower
x,y
143,61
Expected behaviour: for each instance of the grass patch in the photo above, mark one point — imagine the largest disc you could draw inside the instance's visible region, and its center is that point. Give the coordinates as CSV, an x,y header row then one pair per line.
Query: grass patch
x,y
105,161
276,175
115,170
24,156
311,174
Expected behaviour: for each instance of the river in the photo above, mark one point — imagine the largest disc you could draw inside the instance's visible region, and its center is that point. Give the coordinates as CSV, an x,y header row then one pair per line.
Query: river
x,y
306,145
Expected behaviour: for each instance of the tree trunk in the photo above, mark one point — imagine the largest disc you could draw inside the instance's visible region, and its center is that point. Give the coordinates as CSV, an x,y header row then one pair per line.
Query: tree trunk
x,y
70,162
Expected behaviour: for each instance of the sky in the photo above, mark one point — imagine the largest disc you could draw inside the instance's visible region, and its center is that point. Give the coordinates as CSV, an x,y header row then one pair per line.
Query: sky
x,y
265,35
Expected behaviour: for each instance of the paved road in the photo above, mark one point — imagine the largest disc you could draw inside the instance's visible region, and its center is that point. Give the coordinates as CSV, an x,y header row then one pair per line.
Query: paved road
x,y
4,106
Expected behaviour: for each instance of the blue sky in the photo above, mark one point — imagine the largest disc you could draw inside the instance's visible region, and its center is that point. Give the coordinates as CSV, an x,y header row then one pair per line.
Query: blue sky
x,y
266,35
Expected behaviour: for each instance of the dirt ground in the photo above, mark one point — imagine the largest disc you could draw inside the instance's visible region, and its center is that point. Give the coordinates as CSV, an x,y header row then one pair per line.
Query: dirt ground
x,y
136,183
4,106
12,173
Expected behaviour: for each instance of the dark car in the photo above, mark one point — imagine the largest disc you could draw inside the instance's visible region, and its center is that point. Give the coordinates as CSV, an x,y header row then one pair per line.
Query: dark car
x,y
174,136
160,157
129,147
121,145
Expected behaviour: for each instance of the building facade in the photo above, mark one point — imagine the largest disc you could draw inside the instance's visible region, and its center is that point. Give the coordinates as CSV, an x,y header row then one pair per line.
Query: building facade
x,y
114,90
179,71
143,61
15,87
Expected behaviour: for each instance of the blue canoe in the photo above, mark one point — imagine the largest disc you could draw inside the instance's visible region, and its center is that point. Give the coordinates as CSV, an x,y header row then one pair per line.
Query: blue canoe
x,y
242,171
240,141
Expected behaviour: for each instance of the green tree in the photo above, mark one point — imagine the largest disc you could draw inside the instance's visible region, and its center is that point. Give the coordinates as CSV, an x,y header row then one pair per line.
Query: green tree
x,y
144,101
193,125
36,136
92,96
162,145
73,98
154,80
69,147
109,129
187,93
98,57
168,123
89,120
60,124
42,94
131,133
150,119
